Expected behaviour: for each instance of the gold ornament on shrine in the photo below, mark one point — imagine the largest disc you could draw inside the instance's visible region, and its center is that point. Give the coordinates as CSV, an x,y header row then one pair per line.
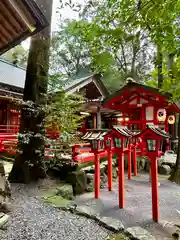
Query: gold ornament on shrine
x,y
171,119
161,115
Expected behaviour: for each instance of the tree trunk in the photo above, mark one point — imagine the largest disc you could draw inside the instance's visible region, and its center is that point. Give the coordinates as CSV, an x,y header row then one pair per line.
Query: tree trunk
x,y
159,67
175,176
29,161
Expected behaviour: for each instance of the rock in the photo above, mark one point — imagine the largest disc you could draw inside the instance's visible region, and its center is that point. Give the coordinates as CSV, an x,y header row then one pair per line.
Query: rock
x,y
126,162
140,233
141,163
103,180
114,173
111,223
5,190
90,177
147,165
65,191
107,222
164,169
78,181
86,212
3,220
90,182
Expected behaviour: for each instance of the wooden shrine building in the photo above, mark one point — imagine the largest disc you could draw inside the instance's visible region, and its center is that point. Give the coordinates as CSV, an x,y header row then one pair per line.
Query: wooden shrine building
x,y
19,20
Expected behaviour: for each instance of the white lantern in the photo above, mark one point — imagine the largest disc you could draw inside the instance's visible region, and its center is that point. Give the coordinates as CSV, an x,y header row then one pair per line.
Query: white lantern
x,y
171,119
161,115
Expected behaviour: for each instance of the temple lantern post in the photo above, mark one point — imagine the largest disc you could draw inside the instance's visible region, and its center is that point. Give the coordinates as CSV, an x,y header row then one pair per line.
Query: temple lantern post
x,y
108,147
153,138
120,139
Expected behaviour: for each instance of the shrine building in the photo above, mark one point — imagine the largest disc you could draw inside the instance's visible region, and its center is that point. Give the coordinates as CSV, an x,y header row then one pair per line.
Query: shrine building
x,y
20,21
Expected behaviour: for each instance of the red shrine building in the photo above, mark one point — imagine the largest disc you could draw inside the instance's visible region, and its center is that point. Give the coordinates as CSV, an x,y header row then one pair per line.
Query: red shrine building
x,y
134,105
20,21
140,104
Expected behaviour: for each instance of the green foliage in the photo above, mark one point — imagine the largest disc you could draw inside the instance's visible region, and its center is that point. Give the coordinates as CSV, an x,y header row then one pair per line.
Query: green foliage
x,y
18,54
69,54
62,112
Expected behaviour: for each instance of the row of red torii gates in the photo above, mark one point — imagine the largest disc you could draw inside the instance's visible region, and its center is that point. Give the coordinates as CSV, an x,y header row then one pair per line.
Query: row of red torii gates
x,y
120,140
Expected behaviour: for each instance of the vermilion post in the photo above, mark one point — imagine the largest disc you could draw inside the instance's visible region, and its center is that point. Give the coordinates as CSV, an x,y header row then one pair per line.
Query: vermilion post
x,y
154,184
109,170
97,176
121,179
129,164
135,161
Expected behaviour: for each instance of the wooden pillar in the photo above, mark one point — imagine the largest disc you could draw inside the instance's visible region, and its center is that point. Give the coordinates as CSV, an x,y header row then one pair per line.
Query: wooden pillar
x,y
166,125
97,176
98,118
154,184
121,179
135,161
129,164
143,116
109,170
94,120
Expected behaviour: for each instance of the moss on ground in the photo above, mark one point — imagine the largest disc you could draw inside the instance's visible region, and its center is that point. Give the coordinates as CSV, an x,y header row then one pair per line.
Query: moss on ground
x,y
65,191
58,201
119,236
59,196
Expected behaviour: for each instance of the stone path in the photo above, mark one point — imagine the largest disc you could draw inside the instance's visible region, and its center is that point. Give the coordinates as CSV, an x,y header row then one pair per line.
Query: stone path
x,y
137,211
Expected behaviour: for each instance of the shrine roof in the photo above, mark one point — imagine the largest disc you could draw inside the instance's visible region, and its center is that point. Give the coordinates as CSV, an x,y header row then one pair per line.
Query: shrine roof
x,y
12,76
123,130
136,87
95,135
156,130
76,84
21,19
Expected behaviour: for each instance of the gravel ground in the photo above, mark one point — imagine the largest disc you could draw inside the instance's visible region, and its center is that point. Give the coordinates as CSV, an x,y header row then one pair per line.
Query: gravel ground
x,y
34,220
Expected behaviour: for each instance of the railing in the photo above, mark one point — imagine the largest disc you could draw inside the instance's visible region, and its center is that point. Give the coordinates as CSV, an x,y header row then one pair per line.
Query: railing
x,y
9,129
82,153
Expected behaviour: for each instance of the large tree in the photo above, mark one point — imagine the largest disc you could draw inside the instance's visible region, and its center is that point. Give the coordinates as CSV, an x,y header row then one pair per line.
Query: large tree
x,y
29,162
99,41
70,55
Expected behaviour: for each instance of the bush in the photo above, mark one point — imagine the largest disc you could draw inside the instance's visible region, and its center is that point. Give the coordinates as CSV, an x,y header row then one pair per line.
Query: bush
x,y
59,167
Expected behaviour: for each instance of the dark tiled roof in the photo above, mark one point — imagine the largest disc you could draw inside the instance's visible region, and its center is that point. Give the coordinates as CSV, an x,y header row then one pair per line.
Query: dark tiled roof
x,y
12,75
92,77
123,131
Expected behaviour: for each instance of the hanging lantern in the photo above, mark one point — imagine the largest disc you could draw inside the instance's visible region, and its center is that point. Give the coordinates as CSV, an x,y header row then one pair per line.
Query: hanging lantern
x,y
161,115
171,119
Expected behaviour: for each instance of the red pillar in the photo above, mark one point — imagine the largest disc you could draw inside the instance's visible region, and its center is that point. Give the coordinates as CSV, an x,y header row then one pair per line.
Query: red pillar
x,y
135,161
121,179
110,170
97,176
129,164
154,184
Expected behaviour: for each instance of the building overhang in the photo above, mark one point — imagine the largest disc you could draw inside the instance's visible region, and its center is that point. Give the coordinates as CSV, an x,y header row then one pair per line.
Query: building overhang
x,y
20,19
